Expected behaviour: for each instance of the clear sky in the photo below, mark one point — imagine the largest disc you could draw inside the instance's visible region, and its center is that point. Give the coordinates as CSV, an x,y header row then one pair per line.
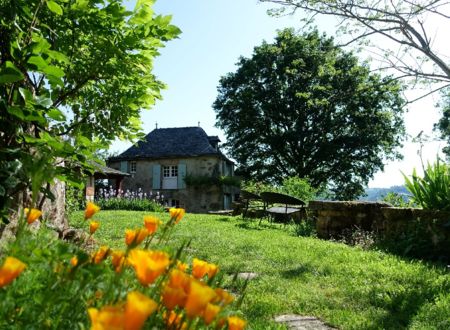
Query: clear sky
x,y
214,34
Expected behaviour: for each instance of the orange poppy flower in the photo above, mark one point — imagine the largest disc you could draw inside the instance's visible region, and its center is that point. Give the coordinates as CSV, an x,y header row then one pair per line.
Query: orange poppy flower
x,y
117,260
223,297
173,320
199,296
148,265
137,309
210,313
177,213
135,237
108,317
201,268
179,279
90,210
182,266
32,214
100,255
235,323
93,226
10,269
173,297
151,223
74,261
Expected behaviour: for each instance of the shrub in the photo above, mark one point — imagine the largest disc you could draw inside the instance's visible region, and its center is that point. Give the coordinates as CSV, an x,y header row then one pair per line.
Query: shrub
x,y
433,190
398,200
293,186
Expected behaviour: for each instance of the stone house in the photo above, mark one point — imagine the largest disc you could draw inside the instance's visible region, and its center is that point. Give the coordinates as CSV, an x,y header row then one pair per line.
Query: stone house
x,y
184,165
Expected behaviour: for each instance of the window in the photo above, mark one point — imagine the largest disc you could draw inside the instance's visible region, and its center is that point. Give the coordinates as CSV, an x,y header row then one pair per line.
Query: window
x,y
133,167
170,171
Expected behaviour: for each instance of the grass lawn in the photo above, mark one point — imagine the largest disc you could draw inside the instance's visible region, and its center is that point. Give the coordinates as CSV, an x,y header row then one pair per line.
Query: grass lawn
x,y
346,287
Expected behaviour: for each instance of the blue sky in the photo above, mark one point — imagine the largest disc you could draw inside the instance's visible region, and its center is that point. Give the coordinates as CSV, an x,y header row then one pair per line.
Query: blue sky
x,y
214,34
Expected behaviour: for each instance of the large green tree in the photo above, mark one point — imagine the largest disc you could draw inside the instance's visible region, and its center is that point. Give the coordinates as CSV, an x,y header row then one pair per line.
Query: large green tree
x,y
74,75
301,106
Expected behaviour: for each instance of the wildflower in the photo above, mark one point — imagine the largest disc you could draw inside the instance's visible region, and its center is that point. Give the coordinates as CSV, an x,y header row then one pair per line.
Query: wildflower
x,y
100,255
148,265
199,296
90,210
151,223
135,237
32,215
173,320
10,269
235,323
74,261
182,266
93,226
137,309
210,313
118,258
108,317
177,213
173,297
223,297
201,268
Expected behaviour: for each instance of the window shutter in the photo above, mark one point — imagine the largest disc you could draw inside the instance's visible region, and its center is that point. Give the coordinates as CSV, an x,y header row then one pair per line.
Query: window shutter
x,y
124,166
156,172
181,176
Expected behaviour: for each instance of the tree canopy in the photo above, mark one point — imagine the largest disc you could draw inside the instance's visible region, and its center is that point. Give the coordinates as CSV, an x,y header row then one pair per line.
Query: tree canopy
x,y
74,75
300,106
408,25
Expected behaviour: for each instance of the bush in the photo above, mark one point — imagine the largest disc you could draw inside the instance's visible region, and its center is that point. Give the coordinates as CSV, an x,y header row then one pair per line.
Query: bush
x,y
431,192
398,200
293,186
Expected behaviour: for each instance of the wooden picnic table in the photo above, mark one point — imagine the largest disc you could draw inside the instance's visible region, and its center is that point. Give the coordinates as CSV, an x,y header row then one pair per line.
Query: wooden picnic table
x,y
290,207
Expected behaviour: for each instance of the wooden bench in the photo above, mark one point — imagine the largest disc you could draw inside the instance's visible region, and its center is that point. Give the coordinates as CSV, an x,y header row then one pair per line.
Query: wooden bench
x,y
281,207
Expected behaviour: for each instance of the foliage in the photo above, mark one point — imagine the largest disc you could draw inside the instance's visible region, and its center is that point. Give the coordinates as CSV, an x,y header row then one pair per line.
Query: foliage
x,y
298,187
117,203
433,190
302,107
206,180
404,25
398,200
73,77
347,287
74,199
63,286
293,186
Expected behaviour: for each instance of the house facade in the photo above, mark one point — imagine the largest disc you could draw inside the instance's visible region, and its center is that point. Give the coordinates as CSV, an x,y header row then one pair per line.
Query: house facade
x,y
183,165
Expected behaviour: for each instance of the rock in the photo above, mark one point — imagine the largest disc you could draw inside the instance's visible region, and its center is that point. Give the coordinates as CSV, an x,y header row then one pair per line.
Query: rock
x,y
247,275
300,322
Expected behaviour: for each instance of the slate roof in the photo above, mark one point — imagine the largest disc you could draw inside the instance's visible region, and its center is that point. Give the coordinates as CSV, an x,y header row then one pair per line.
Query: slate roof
x,y
171,143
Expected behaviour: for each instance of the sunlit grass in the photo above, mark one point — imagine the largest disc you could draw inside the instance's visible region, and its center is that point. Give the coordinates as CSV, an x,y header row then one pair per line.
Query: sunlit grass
x,y
344,286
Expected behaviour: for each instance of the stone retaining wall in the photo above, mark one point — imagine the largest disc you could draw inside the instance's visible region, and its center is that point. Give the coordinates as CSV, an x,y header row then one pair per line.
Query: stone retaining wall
x,y
333,218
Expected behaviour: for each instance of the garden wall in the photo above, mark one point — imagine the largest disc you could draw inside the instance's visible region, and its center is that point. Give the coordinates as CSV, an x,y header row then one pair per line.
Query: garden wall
x,y
334,218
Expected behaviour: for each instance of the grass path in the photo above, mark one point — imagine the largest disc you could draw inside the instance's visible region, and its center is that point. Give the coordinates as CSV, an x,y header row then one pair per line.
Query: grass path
x,y
344,286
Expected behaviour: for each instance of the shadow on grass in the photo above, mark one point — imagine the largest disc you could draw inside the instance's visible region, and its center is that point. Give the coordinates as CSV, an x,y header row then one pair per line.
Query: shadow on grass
x,y
298,272
401,308
248,225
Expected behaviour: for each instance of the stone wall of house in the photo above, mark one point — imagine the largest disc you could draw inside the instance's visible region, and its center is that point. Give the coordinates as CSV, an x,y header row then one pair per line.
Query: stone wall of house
x,y
197,200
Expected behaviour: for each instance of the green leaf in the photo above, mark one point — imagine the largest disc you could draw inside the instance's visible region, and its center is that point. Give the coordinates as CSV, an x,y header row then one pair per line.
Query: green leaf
x,y
9,73
54,71
38,62
44,101
54,7
56,114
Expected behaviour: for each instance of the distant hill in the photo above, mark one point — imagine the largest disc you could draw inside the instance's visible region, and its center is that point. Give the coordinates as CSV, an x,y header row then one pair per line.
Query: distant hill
x,y
377,194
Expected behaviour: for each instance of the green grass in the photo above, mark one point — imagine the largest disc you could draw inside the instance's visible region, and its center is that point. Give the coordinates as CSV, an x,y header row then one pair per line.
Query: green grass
x,y
346,287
